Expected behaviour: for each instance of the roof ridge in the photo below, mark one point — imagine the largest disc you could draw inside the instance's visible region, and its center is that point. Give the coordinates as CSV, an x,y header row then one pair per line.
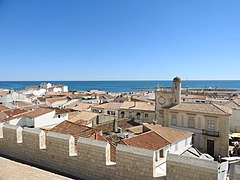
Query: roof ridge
x,y
234,101
221,108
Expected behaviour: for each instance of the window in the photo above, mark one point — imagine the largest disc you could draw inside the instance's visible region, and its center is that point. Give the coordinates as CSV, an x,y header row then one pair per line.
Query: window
x,y
108,112
161,153
97,120
146,115
59,116
211,125
191,122
138,115
122,114
174,120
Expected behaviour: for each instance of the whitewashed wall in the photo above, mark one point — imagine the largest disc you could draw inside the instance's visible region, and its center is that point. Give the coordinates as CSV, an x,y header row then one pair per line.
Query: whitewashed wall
x,y
235,121
44,120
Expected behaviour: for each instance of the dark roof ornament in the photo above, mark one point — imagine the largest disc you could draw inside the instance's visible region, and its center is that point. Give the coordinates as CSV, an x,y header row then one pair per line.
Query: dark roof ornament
x,y
177,79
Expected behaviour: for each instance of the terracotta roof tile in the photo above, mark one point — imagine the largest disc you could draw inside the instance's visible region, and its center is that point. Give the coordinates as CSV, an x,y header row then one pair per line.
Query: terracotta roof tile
x,y
42,99
38,112
3,116
110,106
170,134
148,140
76,130
81,107
136,129
83,117
58,110
53,100
14,112
3,108
22,103
207,108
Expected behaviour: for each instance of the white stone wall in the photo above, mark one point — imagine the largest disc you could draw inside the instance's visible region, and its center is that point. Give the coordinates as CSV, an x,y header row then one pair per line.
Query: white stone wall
x,y
22,121
235,121
58,103
13,96
45,120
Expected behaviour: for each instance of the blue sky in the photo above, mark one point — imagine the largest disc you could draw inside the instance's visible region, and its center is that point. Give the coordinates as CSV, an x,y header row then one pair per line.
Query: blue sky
x,y
119,39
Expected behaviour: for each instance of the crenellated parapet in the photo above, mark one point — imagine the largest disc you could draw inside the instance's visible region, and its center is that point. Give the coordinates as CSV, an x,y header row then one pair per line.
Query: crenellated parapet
x,y
82,158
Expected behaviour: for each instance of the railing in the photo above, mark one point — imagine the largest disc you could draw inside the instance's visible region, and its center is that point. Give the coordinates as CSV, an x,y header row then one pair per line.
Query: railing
x,y
210,133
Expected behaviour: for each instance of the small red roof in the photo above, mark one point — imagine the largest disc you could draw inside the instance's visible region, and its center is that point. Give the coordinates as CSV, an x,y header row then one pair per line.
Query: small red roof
x,y
149,140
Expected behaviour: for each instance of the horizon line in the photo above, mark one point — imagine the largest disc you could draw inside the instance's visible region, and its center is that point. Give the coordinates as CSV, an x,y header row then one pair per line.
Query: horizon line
x,y
123,80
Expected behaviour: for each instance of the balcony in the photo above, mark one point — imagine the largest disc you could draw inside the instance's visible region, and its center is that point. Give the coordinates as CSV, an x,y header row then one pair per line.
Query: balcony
x,y
210,133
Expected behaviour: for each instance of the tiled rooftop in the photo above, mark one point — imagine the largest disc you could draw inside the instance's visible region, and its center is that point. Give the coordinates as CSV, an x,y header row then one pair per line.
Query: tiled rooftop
x,y
83,117
14,112
76,130
22,103
207,108
3,116
81,106
232,104
137,106
53,100
170,134
109,106
3,108
38,112
136,129
148,140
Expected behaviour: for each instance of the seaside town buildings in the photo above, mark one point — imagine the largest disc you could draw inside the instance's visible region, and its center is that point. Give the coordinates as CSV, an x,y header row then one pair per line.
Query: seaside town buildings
x,y
208,121
137,135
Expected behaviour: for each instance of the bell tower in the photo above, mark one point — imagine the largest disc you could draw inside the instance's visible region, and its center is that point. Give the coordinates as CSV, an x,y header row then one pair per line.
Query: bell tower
x,y
165,98
177,90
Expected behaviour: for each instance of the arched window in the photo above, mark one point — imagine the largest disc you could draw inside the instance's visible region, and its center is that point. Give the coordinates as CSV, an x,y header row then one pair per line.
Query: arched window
x,y
122,114
138,115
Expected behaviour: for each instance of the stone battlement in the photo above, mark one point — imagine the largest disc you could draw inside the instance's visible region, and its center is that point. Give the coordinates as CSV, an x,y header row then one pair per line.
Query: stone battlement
x,y
84,158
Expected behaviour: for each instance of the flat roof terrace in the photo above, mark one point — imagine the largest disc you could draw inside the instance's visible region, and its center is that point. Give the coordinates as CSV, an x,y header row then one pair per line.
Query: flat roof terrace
x,y
15,170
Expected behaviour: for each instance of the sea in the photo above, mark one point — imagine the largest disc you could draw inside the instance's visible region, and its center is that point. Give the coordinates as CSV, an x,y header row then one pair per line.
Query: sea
x,y
123,86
